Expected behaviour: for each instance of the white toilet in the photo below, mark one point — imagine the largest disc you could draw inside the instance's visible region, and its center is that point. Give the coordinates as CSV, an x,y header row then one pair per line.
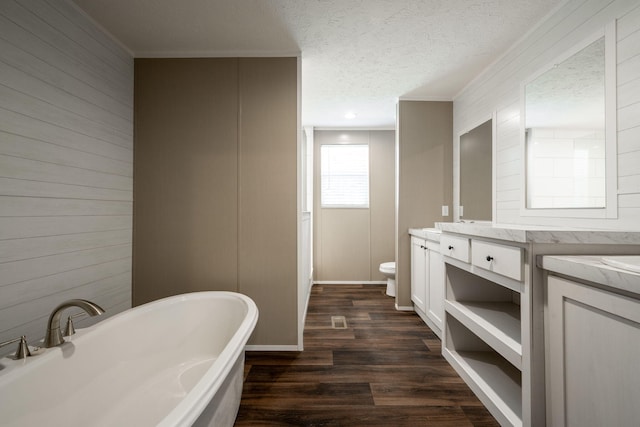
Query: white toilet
x,y
389,270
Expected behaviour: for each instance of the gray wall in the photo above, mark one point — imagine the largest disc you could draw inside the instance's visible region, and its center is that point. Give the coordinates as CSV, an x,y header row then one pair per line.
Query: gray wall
x,y
350,244
66,165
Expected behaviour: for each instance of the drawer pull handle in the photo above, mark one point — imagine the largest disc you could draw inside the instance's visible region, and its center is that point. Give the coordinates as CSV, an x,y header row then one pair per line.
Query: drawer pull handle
x,y
489,258
450,247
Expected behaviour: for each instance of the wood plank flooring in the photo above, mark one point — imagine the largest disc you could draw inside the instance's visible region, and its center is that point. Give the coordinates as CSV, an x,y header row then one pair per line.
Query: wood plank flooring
x,y
384,369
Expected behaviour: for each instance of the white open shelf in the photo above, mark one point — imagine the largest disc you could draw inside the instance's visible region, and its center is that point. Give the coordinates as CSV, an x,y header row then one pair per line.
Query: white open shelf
x,y
483,341
496,323
495,381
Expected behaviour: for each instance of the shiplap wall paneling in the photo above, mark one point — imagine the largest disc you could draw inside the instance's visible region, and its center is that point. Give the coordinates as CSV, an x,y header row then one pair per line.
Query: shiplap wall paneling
x,y
66,165
628,56
508,164
498,89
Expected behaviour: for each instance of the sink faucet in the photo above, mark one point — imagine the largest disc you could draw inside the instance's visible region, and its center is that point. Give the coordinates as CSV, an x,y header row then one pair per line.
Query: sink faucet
x,y
54,335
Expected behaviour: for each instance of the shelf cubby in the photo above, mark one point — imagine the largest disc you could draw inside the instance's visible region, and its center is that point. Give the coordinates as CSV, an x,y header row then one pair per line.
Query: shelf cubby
x,y
495,380
497,323
483,341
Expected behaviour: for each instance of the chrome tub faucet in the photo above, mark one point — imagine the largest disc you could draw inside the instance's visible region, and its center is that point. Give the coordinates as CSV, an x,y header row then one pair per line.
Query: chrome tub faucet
x,y
54,337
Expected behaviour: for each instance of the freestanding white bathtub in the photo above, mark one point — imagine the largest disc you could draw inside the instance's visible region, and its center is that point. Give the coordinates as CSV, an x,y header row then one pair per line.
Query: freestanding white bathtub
x,y
178,361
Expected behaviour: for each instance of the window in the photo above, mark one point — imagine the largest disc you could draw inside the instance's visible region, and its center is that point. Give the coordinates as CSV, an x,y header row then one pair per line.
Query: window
x,y
344,176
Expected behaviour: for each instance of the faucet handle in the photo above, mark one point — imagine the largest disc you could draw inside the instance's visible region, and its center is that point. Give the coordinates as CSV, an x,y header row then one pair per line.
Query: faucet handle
x,y
22,351
70,329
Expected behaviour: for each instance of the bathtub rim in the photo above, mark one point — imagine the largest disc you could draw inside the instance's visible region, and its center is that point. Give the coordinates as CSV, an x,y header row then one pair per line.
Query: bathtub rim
x,y
193,404
190,408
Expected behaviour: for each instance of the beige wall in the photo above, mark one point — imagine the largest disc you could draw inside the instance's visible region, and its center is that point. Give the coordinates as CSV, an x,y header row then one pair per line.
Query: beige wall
x,y
215,186
425,178
350,244
268,190
382,212
186,185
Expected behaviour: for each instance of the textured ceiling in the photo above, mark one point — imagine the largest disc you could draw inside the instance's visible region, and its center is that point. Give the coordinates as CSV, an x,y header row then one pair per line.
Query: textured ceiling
x,y
357,55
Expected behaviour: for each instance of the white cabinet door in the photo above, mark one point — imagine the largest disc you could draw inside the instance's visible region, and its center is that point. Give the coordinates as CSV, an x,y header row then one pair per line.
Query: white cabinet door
x,y
593,356
435,289
419,266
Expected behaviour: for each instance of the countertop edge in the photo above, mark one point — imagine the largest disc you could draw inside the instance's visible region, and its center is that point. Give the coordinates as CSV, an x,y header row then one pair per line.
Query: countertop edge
x,y
542,235
432,234
590,268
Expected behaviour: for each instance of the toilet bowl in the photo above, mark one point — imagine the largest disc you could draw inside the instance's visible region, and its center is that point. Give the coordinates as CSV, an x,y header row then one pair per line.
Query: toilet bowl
x,y
389,270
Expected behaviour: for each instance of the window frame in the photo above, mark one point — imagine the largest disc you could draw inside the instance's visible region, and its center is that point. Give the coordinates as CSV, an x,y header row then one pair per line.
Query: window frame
x,y
322,175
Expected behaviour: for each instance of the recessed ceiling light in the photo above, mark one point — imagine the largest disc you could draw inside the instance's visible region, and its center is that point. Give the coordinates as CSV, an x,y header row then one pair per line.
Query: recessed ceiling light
x,y
350,115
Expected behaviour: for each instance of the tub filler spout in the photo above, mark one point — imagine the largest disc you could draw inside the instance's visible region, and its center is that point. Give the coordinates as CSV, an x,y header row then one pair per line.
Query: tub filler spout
x,y
54,337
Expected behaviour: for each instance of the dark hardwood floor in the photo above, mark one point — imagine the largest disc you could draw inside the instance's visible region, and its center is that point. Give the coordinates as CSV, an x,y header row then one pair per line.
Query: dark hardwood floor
x,y
384,369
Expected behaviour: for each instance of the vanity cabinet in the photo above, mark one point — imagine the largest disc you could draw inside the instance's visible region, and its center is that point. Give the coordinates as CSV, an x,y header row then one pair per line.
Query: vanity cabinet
x,y
497,339
427,282
592,356
435,290
419,269
484,322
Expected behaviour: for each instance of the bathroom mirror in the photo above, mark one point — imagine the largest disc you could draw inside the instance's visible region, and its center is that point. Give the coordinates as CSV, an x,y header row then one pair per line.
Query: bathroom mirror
x,y
476,160
569,133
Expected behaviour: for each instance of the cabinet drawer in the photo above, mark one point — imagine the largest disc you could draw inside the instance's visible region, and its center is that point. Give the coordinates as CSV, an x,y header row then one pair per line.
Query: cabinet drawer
x,y
455,247
501,259
433,246
417,241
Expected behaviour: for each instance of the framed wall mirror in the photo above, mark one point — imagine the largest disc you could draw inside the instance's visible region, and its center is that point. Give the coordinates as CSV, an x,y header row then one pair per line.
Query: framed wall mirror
x,y
569,134
476,173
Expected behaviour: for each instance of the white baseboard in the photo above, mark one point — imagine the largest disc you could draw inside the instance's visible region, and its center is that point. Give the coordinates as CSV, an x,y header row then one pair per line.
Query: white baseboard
x,y
404,308
350,282
272,348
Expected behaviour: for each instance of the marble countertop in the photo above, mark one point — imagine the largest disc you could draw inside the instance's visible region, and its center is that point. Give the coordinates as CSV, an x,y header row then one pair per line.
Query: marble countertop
x,y
591,268
426,233
541,234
